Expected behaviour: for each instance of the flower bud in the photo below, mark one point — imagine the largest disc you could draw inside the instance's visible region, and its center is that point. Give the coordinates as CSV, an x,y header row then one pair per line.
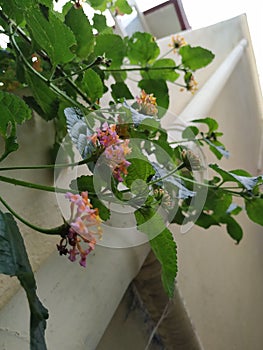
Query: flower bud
x,y
191,160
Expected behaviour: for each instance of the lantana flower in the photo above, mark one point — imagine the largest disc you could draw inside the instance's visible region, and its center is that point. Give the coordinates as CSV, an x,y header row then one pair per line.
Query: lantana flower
x,y
177,42
147,104
192,85
84,226
115,149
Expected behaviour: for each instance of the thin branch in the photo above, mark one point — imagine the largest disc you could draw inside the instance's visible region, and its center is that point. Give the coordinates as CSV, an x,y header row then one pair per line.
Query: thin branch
x,y
50,231
34,185
48,166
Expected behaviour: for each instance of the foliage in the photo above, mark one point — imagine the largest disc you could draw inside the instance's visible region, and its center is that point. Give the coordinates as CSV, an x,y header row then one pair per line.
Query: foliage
x,y
14,262
70,64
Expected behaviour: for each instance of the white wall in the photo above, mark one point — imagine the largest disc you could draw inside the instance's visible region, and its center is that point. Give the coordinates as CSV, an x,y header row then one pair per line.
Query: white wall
x,y
223,283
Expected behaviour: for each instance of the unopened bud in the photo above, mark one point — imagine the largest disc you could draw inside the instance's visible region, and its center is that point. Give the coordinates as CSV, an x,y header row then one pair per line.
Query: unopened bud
x,y
191,160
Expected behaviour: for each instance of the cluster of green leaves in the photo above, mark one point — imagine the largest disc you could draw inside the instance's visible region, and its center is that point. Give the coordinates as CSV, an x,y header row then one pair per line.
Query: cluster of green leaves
x,y
219,206
65,58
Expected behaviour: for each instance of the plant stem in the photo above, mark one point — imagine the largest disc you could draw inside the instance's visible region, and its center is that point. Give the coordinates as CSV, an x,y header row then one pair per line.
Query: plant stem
x,y
180,177
92,64
166,53
146,69
192,181
47,166
186,140
50,231
35,186
167,175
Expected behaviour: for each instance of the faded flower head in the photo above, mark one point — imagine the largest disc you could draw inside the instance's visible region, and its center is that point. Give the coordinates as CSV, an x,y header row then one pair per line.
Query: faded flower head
x,y
147,104
177,42
192,85
191,160
85,224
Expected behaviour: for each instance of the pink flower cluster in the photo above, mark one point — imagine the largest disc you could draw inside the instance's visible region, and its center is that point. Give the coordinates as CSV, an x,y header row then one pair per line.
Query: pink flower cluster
x,y
116,149
84,225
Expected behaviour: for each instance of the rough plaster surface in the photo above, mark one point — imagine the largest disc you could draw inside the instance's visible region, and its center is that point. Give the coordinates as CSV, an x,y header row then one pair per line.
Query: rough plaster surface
x,y
35,139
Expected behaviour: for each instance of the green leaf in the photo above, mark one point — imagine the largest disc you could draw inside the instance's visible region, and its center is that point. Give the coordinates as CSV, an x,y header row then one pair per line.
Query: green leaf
x,y
78,130
195,57
45,98
120,90
159,70
139,169
100,23
159,89
205,220
164,248
51,35
179,217
13,11
92,85
233,228
47,3
119,76
254,208
217,201
210,122
163,244
83,183
65,9
98,4
112,46
82,29
142,48
218,210
247,182
123,7
241,172
14,262
234,209
13,111
190,132
217,148
11,145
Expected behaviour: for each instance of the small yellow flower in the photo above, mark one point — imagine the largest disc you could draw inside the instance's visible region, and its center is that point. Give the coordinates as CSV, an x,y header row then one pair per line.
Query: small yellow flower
x,y
147,103
192,85
177,42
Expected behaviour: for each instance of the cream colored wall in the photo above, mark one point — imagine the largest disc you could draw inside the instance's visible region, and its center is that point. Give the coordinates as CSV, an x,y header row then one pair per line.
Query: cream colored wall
x,y
35,139
222,283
